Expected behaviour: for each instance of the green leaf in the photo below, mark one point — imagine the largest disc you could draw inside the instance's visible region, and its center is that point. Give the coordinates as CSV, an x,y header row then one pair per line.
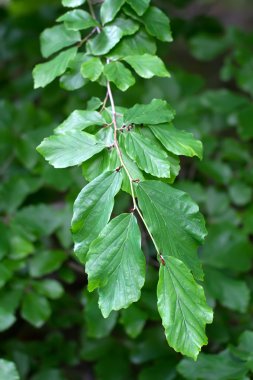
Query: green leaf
x,y
45,73
109,10
5,274
79,120
46,262
72,3
127,25
77,20
8,370
49,288
35,309
182,306
158,111
105,41
92,210
117,73
157,24
56,38
139,6
92,69
245,123
133,319
69,149
147,66
10,300
174,221
116,264
177,141
72,79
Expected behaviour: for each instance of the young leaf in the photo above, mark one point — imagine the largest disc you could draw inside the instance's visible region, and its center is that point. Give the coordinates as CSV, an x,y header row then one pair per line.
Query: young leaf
x,y
77,20
158,111
182,306
117,73
109,10
147,66
79,120
35,309
72,3
174,221
139,6
92,210
56,38
176,141
116,264
105,41
69,149
45,73
157,24
92,69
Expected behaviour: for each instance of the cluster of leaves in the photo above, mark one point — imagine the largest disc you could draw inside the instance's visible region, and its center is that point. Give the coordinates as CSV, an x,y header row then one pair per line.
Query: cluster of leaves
x,y
36,203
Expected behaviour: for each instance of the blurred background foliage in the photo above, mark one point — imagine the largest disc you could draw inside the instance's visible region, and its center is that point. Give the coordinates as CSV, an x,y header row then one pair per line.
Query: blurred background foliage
x,y
51,328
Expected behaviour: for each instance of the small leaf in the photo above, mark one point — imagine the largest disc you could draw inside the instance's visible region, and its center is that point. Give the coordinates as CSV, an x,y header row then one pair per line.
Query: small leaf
x,y
117,73
70,149
92,69
92,210
116,264
72,79
77,20
133,319
8,370
46,262
174,221
139,6
127,25
182,306
158,111
177,141
105,41
147,66
79,120
49,288
56,38
157,24
35,309
72,3
109,10
45,73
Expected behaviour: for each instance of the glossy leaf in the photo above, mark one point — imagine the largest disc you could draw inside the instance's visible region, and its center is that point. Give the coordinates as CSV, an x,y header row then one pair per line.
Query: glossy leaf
x,y
105,41
117,73
92,69
157,24
72,3
139,6
147,66
79,120
116,264
77,19
109,10
92,210
182,306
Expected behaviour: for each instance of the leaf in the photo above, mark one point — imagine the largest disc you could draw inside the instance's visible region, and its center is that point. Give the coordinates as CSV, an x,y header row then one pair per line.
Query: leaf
x,y
35,309
56,38
174,221
49,288
116,264
10,300
79,120
117,73
109,10
182,306
69,149
72,3
45,73
177,141
92,69
158,111
133,319
245,129
127,25
157,24
77,20
8,370
105,41
147,66
139,6
46,262
72,79
92,210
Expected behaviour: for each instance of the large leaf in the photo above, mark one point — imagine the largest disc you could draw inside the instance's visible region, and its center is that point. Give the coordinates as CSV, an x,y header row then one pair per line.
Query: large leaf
x,y
116,264
92,210
69,149
147,65
92,69
77,20
139,6
8,370
158,111
177,141
56,38
182,306
79,120
157,24
45,73
105,41
109,9
117,73
174,221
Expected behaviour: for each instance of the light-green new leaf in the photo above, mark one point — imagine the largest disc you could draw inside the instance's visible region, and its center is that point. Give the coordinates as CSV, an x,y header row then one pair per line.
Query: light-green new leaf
x,y
183,308
69,149
45,73
147,65
72,3
157,112
116,264
92,210
157,24
92,69
174,221
105,41
77,20
177,141
56,38
117,73
79,120
109,10
139,6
